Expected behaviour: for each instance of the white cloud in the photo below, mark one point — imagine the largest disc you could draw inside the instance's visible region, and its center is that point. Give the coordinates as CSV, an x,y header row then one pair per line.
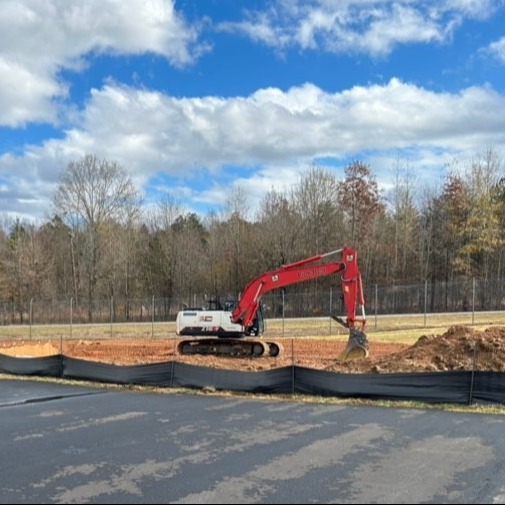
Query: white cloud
x,y
42,37
271,125
373,27
478,9
276,132
497,50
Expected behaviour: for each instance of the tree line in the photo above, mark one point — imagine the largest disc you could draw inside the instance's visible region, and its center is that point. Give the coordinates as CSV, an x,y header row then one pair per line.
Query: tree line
x,y
99,243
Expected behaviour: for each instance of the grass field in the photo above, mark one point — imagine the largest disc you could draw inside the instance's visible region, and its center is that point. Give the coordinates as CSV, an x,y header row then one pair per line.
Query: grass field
x,y
404,329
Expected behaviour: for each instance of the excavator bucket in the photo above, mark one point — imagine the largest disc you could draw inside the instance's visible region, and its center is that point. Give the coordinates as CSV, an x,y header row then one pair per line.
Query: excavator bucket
x,y
356,348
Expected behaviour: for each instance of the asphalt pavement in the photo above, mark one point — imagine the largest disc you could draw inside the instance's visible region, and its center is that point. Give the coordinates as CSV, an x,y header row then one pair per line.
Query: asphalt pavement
x,y
64,443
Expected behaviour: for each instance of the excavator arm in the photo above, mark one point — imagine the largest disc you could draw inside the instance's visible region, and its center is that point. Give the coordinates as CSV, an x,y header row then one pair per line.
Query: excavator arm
x,y
352,293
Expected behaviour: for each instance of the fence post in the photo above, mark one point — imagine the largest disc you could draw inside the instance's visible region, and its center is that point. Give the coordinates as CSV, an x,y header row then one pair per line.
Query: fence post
x,y
283,312
152,317
292,366
473,300
174,355
425,300
71,314
31,316
472,376
111,313
331,308
376,303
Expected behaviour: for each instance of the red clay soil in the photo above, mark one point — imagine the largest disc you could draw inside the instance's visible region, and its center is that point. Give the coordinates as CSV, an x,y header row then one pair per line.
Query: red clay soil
x,y
460,348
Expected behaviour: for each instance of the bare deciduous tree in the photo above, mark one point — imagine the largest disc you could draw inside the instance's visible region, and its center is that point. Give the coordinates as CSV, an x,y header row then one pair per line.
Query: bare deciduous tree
x,y
315,200
159,265
92,192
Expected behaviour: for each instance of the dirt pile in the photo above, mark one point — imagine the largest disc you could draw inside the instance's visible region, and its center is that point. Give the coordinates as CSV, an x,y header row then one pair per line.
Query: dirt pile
x,y
459,348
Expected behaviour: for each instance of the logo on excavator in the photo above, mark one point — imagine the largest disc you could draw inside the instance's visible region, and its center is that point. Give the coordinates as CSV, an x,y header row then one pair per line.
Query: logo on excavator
x,y
205,318
275,278
314,272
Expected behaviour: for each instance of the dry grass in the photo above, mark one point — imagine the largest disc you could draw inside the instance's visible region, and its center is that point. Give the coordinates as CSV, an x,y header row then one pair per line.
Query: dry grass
x,y
402,329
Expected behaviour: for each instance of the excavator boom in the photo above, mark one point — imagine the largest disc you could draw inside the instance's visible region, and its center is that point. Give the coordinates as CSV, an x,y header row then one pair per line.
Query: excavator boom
x,y
248,302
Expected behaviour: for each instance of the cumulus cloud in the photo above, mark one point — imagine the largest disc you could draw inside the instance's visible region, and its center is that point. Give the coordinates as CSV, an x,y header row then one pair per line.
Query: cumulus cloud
x,y
270,125
268,130
40,38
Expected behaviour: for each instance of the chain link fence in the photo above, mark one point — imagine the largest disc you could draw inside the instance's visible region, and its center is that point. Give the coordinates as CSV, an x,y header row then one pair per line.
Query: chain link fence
x,y
469,295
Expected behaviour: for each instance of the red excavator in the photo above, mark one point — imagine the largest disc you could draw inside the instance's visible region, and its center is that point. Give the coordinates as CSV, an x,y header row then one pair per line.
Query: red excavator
x,y
233,325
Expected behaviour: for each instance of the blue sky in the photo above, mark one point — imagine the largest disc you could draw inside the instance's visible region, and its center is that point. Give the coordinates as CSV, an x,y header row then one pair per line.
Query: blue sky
x,y
197,99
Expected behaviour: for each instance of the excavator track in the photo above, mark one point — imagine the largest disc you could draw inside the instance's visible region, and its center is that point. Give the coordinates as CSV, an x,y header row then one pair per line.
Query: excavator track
x,y
231,347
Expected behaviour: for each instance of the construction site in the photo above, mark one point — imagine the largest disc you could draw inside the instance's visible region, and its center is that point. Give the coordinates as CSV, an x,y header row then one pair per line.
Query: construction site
x,y
461,347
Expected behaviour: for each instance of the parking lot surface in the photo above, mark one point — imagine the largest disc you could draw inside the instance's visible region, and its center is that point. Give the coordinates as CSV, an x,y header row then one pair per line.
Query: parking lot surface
x,y
64,443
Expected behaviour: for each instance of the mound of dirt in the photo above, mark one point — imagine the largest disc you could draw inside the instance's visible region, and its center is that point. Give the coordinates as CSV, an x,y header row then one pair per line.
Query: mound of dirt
x,y
459,348
28,349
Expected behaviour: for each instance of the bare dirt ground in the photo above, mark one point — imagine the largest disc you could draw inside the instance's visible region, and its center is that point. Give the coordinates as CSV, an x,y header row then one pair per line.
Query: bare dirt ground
x,y
459,348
